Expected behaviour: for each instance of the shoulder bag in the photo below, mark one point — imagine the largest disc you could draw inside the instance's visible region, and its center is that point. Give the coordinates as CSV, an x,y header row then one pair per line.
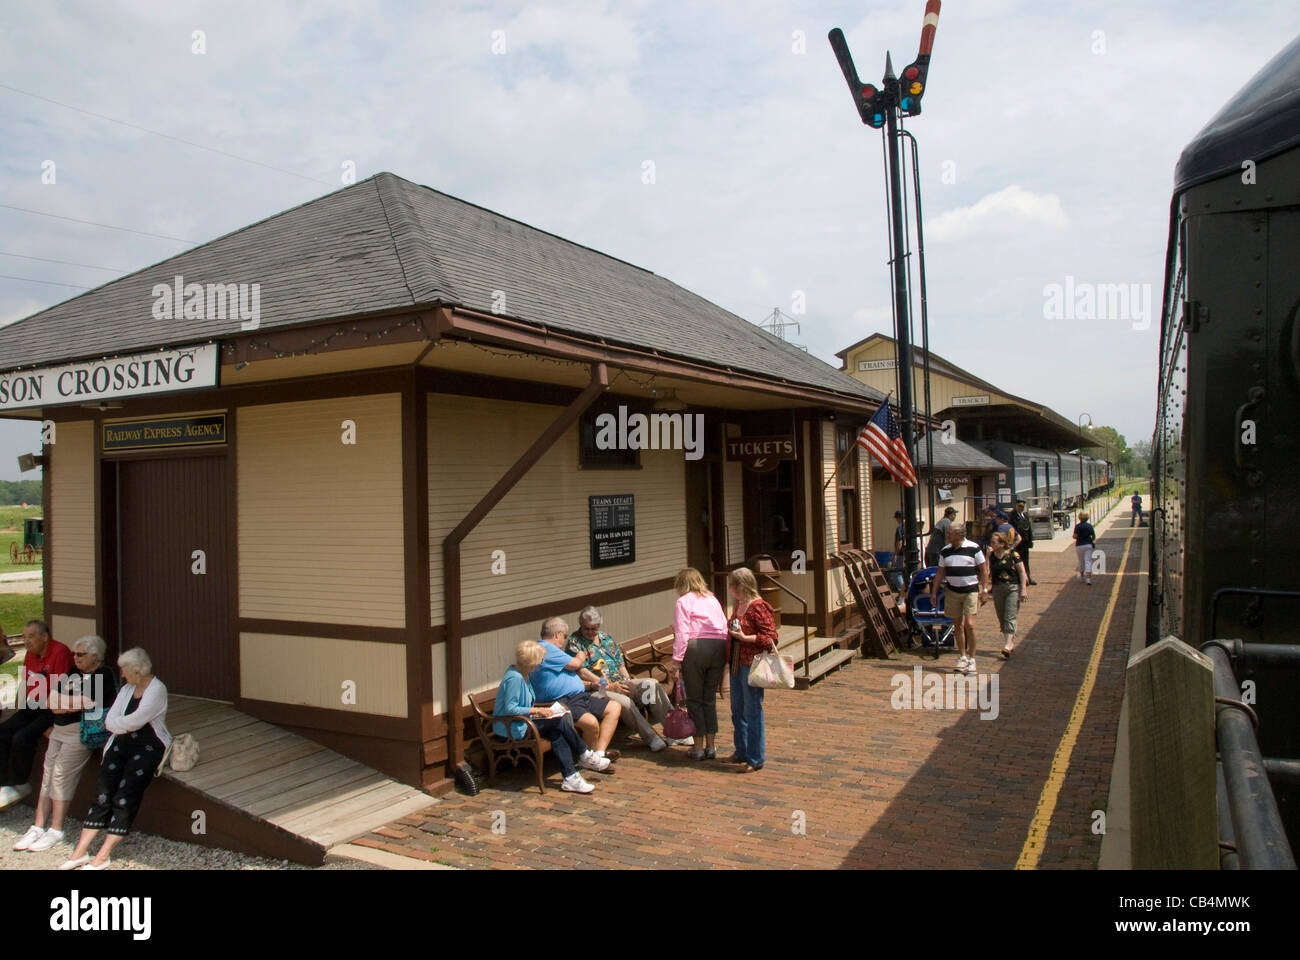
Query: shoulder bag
x,y
678,725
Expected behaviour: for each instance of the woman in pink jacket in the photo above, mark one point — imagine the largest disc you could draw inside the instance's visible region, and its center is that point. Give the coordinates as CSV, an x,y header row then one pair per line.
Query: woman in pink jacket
x,y
701,645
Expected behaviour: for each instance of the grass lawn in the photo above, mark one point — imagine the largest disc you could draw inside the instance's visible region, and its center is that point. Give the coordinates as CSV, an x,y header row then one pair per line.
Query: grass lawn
x,y
17,608
11,531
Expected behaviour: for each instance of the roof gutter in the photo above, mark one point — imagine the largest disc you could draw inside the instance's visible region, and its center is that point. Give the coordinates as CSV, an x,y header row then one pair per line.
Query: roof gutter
x,y
451,586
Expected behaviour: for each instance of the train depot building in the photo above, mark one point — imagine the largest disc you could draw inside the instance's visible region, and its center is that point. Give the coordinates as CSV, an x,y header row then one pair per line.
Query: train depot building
x,y
330,468
991,446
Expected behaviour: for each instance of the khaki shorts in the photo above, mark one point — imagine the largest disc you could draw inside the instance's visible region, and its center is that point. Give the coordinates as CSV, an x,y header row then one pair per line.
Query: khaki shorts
x,y
956,605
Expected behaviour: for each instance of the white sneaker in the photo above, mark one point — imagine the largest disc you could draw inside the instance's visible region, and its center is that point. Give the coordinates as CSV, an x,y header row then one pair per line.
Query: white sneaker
x,y
574,783
962,661
593,761
657,744
74,864
1088,581
970,666
51,838
11,795
33,834
684,742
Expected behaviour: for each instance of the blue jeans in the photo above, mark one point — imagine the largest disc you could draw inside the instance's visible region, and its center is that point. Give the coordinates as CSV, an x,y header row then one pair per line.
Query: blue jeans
x,y
566,743
747,718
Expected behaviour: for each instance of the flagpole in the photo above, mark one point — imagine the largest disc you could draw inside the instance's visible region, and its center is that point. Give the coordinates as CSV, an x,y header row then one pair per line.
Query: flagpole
x,y
849,451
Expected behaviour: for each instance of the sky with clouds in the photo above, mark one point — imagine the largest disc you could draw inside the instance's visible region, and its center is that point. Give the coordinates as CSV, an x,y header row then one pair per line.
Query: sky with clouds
x,y
1047,146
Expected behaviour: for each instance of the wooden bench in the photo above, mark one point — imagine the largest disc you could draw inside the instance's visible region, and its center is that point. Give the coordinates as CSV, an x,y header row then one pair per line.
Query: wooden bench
x,y
532,747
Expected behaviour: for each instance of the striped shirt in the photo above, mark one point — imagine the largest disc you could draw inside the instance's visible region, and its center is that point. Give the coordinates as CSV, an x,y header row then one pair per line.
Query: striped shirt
x,y
961,566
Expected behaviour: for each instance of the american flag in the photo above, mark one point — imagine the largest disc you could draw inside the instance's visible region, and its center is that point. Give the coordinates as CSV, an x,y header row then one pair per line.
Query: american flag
x,y
884,441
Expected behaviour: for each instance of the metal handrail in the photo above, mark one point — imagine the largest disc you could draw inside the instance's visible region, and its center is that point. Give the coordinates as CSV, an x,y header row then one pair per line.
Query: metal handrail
x,y
1259,837
781,586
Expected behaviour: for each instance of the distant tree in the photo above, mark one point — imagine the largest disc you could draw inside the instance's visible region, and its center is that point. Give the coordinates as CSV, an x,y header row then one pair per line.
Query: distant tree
x,y
13,492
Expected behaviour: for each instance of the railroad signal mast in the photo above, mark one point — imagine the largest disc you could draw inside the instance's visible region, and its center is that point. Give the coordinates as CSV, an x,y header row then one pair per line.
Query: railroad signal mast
x,y
881,107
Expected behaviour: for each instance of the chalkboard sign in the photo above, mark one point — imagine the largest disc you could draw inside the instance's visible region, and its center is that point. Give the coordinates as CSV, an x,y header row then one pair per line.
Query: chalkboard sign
x,y
613,530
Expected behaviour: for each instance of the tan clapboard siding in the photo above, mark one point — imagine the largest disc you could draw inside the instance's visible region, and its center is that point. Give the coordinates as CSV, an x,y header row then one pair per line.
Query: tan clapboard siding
x,y
320,521
68,630
733,515
942,387
486,655
542,525
311,671
830,493
885,494
837,589
865,498
72,512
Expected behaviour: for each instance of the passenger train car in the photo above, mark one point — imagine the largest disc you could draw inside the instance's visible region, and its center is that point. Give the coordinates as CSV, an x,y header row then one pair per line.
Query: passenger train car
x,y
1035,472
1225,453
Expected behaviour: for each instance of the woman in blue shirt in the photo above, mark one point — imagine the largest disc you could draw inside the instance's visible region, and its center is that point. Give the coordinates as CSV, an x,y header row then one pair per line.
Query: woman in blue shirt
x,y
1084,539
515,699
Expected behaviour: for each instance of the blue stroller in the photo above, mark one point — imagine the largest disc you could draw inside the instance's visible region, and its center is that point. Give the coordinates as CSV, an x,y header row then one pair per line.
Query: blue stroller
x,y
935,628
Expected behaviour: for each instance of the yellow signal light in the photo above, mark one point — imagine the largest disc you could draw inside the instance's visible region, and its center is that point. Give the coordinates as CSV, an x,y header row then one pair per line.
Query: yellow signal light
x,y
915,88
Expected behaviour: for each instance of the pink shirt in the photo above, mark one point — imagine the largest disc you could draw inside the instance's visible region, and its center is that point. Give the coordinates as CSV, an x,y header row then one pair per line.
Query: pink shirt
x,y
697,616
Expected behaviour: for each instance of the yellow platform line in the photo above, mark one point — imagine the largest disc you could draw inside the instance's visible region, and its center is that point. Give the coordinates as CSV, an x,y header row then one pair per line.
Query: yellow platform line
x,y
1036,841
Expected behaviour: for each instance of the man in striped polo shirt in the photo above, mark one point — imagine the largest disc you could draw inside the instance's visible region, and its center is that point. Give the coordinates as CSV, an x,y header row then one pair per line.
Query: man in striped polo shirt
x,y
962,568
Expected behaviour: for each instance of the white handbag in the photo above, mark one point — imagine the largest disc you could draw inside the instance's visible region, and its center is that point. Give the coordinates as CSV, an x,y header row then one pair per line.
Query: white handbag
x,y
772,671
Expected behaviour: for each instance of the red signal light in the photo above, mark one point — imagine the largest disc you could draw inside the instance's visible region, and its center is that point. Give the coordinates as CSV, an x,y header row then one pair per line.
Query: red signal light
x,y
868,91
911,73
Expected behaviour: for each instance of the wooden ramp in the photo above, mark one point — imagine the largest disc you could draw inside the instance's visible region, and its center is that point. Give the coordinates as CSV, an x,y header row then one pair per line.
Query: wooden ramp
x,y
293,792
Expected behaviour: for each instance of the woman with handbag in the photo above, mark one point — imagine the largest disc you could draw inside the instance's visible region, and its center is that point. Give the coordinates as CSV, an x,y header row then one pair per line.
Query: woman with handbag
x,y
79,704
753,632
138,740
700,648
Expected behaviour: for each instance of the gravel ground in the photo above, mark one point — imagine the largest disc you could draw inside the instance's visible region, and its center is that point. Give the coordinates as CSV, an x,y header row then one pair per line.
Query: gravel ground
x,y
139,851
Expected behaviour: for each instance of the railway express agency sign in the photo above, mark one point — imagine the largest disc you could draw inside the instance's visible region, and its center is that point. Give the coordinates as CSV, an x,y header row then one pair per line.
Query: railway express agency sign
x,y
141,374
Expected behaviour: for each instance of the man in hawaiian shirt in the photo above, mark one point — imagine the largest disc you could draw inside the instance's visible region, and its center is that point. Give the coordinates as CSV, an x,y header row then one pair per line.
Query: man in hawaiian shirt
x,y
604,658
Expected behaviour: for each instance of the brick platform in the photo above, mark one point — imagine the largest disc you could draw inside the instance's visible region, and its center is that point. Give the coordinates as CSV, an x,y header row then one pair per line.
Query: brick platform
x,y
875,786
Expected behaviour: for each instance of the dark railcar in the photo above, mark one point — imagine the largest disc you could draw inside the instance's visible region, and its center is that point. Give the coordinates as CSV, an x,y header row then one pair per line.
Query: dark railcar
x,y
1226,449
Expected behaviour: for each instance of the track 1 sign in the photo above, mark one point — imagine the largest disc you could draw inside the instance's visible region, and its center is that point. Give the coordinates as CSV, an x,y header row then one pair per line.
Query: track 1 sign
x,y
761,453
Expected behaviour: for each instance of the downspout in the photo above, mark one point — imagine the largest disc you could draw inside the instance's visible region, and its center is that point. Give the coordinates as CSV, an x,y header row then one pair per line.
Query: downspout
x,y
451,555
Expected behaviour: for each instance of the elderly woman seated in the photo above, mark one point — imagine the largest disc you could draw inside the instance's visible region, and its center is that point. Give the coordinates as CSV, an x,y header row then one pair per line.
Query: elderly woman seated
x,y
138,740
604,658
78,702
515,699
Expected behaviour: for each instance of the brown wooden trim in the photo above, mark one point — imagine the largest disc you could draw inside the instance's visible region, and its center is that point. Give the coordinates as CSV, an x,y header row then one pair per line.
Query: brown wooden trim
x,y
403,326
539,612
216,450
85,610
333,631
320,718
415,495
232,542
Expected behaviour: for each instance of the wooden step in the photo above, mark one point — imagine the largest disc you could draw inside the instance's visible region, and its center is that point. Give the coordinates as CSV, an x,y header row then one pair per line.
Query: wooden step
x,y
821,666
793,647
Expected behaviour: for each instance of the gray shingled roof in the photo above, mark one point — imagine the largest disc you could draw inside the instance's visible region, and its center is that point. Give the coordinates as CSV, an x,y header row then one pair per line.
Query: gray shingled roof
x,y
386,243
957,455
